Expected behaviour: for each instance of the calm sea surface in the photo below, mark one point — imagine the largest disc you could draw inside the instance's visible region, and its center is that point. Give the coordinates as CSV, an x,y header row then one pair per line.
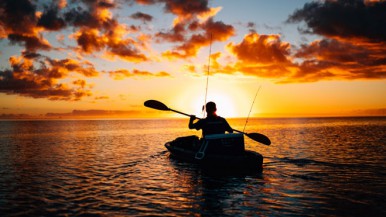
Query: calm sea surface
x,y
314,167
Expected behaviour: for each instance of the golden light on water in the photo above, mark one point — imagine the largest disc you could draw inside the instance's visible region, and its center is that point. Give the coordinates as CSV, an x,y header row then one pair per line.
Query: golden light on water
x,y
108,64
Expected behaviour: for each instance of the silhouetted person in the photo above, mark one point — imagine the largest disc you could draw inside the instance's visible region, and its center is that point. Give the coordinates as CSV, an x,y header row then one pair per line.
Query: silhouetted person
x,y
212,124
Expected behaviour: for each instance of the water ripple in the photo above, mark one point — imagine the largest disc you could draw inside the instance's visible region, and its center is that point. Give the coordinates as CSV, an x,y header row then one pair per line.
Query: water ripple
x,y
314,167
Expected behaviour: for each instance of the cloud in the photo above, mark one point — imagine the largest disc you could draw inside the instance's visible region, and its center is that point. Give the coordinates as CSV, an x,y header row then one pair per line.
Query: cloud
x,y
264,49
18,17
30,42
101,97
353,46
124,73
211,31
112,42
96,29
142,16
26,79
193,27
351,43
182,8
15,116
92,113
256,55
100,31
327,59
91,14
18,20
354,43
51,20
344,19
342,60
23,24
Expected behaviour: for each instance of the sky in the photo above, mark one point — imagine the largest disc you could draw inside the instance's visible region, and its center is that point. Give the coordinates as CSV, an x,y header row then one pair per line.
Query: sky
x,y
277,58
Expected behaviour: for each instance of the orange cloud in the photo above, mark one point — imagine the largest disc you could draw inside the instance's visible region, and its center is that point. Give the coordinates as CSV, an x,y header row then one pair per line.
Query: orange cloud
x,y
257,55
26,79
263,49
212,31
112,42
124,73
97,28
333,59
101,97
328,59
22,24
99,31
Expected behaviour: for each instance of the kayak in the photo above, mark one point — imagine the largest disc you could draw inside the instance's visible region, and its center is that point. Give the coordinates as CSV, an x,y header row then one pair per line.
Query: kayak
x,y
218,151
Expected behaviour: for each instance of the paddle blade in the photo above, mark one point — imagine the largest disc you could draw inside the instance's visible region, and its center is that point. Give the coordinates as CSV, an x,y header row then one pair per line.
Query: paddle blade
x,y
259,138
154,104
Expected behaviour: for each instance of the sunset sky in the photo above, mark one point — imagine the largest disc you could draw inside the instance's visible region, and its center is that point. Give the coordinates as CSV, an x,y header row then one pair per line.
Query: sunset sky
x,y
309,58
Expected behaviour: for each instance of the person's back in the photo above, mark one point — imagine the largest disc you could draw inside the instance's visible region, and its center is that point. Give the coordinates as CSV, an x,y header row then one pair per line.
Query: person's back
x,y
212,124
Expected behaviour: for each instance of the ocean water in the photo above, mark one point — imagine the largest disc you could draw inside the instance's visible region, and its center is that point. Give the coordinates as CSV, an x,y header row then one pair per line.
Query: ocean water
x,y
314,167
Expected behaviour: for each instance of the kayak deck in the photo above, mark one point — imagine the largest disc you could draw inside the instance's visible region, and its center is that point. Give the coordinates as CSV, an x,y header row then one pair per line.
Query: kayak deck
x,y
220,151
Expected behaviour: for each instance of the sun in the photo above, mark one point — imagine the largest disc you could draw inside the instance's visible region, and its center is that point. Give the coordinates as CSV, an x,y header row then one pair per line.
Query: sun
x,y
225,105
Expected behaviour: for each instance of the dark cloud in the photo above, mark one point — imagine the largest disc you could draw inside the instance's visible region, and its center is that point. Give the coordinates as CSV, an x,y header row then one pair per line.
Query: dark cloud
x,y
344,19
27,79
347,60
18,21
125,50
80,17
30,42
179,7
106,4
51,20
15,116
354,43
30,55
142,16
183,7
89,41
22,23
18,17
176,34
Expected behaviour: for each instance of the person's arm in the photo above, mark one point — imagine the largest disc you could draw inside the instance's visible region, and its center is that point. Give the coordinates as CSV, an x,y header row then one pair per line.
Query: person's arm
x,y
191,124
228,128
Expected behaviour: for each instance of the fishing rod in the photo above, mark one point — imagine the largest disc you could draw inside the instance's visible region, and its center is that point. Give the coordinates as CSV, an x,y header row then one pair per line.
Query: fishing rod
x,y
246,121
207,77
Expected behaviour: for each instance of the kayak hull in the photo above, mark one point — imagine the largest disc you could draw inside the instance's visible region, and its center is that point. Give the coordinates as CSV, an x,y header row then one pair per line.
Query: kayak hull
x,y
187,149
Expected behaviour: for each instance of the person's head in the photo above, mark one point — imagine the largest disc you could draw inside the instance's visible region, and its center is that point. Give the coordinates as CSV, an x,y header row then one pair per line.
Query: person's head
x,y
210,108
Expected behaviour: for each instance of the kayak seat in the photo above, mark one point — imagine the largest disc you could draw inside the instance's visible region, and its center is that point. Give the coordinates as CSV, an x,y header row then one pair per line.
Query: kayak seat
x,y
226,144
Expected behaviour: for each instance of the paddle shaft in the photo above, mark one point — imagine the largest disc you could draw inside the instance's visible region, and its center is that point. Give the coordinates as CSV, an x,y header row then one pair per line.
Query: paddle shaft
x,y
180,112
200,119
254,136
160,106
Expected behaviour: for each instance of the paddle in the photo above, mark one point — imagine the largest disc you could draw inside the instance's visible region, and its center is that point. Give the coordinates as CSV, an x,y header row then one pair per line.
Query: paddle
x,y
154,104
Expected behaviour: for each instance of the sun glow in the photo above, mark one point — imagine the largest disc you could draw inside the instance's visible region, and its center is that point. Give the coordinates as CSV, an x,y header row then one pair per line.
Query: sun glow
x,y
225,105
